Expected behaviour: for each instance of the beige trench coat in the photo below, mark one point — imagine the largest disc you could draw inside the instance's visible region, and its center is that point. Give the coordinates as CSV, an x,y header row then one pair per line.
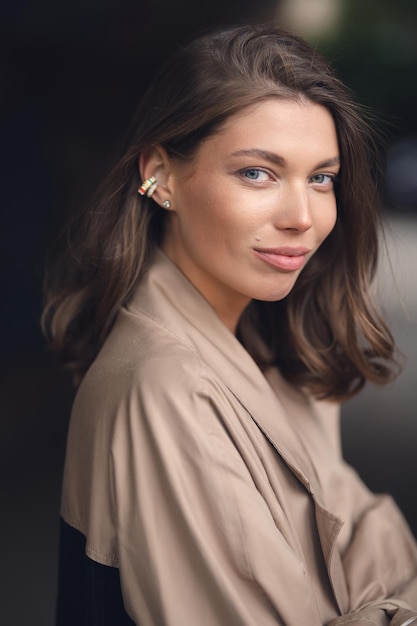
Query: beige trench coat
x,y
218,491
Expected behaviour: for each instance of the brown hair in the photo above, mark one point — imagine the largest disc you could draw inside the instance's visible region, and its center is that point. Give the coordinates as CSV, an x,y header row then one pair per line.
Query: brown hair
x,y
326,335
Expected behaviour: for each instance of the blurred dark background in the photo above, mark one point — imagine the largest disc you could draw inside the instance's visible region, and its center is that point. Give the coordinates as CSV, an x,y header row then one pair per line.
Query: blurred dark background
x,y
70,76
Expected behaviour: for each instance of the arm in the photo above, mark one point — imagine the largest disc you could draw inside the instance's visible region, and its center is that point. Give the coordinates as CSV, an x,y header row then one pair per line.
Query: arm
x,y
196,541
380,563
378,550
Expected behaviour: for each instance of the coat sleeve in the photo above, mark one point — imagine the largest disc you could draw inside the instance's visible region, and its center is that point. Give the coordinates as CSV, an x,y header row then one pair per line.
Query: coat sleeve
x,y
379,553
380,565
181,495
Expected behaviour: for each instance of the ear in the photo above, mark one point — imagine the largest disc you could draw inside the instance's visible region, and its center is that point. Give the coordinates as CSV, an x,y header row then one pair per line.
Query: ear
x,y
155,162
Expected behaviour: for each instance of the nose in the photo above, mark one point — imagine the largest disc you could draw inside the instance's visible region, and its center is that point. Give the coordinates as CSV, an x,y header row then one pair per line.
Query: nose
x,y
294,211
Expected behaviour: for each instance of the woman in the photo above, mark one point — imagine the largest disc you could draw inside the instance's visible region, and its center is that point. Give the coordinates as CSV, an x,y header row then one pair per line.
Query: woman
x,y
215,320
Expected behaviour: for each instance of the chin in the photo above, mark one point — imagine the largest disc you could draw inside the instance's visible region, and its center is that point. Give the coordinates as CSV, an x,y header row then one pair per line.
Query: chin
x,y
273,295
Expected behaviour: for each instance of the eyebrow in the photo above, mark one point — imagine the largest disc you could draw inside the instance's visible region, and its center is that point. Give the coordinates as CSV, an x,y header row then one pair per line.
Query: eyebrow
x,y
279,160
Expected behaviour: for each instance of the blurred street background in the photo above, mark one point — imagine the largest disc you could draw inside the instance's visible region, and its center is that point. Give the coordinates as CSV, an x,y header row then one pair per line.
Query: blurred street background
x,y
71,74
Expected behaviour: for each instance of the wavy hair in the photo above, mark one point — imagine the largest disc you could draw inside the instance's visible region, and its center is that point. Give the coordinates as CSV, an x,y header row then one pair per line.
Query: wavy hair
x,y
327,335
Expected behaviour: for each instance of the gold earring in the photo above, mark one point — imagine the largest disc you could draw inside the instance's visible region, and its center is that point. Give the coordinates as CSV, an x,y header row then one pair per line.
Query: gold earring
x,y
148,186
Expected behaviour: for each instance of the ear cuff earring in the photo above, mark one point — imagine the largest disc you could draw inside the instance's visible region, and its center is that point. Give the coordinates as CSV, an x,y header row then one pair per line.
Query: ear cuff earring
x,y
148,186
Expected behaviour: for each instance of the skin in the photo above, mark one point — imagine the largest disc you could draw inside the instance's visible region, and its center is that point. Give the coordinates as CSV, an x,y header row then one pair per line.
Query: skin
x,y
254,205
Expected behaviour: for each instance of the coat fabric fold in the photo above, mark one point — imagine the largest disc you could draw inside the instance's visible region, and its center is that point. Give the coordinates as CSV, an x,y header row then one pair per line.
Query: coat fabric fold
x,y
218,490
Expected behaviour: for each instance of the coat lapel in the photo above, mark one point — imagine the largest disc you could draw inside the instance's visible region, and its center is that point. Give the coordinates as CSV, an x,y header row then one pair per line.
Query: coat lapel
x,y
167,295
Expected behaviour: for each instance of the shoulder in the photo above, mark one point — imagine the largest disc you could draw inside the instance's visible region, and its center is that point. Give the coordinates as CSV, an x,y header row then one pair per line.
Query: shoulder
x,y
140,376
131,407
140,342
137,365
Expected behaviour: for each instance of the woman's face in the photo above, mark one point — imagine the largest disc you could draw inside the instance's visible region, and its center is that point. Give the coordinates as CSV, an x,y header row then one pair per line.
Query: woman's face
x,y
255,204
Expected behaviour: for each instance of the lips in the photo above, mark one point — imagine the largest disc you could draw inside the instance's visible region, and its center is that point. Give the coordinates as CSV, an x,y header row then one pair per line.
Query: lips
x,y
286,258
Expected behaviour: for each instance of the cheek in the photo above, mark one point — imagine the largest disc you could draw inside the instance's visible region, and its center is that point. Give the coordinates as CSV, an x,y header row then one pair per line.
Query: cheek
x,y
207,215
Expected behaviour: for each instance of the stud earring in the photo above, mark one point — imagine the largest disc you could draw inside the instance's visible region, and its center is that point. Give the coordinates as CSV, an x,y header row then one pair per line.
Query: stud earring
x,y
148,186
166,204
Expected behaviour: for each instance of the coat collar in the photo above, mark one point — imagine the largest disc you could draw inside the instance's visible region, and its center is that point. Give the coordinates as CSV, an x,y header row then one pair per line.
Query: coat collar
x,y
167,296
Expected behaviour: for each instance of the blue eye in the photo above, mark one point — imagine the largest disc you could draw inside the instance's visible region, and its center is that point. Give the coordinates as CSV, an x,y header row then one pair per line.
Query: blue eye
x,y
252,174
322,179
255,174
